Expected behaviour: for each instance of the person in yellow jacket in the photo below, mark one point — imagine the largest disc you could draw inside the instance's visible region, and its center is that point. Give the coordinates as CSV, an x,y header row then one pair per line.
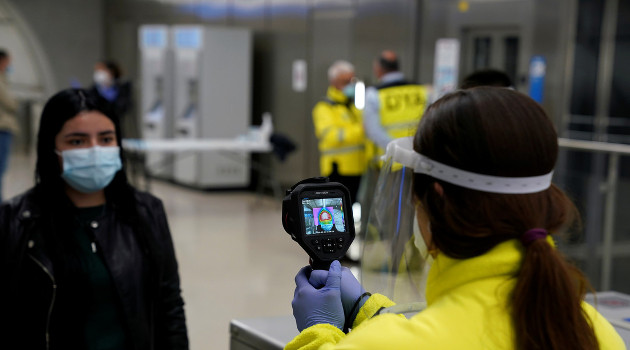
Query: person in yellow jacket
x,y
339,130
480,165
394,107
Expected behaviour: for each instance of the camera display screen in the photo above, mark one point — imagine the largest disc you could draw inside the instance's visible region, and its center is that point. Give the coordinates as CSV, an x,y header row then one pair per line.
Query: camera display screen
x,y
323,215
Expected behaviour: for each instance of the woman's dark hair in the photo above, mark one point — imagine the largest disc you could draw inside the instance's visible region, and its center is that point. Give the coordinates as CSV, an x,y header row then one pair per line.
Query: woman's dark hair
x,y
57,212
60,108
500,132
486,77
113,68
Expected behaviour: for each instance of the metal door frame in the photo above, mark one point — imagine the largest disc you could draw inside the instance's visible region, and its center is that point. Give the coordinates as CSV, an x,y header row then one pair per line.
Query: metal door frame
x,y
496,34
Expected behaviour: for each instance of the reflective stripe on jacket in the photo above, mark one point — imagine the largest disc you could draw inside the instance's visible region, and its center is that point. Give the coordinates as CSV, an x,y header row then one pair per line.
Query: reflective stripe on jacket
x,y
339,131
401,107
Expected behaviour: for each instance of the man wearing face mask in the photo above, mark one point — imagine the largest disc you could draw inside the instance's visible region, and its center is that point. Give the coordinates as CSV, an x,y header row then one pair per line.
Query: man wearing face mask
x,y
8,109
339,129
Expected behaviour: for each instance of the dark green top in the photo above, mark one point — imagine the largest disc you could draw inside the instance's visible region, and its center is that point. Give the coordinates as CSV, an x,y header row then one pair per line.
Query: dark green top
x,y
104,326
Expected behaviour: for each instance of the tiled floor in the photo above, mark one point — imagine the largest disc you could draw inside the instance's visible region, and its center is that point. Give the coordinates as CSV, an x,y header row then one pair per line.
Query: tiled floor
x,y
235,259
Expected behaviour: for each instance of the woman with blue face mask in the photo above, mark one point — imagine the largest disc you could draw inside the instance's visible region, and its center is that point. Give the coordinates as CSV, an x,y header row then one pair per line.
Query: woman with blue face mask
x,y
88,260
115,91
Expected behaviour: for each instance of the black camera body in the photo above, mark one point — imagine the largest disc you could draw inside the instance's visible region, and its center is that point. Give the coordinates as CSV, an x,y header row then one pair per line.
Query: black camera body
x,y
317,214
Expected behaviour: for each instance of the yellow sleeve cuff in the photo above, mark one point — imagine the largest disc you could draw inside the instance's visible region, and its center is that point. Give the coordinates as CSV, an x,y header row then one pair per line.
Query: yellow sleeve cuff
x,y
315,336
371,306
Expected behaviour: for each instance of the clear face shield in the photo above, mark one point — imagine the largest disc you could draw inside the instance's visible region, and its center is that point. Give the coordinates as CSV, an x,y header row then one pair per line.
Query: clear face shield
x,y
395,260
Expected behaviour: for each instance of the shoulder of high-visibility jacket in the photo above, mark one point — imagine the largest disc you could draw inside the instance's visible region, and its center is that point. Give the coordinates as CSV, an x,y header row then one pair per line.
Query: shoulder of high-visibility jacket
x,y
395,84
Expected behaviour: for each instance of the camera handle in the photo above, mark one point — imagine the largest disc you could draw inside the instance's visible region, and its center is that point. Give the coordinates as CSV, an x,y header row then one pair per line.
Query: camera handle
x,y
319,265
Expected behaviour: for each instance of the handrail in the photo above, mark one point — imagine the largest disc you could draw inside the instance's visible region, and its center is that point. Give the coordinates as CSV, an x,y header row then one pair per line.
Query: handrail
x,y
594,146
610,189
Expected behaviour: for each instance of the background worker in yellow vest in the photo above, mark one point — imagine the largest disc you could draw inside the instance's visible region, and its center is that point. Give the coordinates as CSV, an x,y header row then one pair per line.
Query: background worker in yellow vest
x,y
394,107
339,129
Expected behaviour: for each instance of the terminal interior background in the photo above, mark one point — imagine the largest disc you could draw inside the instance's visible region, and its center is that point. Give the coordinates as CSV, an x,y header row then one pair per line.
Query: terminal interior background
x,y
235,259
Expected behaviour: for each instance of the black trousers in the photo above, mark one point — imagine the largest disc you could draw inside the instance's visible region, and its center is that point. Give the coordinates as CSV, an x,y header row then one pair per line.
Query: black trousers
x,y
351,182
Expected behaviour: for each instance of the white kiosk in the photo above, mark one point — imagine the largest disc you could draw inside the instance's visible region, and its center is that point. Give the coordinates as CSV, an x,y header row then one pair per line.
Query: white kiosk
x,y
212,89
156,106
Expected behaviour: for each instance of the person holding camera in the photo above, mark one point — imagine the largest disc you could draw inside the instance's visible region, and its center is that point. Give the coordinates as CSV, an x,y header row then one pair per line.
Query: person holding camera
x,y
88,261
479,168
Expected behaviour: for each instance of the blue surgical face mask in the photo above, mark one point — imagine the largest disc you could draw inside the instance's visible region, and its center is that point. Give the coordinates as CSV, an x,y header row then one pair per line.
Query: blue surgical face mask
x,y
88,170
348,90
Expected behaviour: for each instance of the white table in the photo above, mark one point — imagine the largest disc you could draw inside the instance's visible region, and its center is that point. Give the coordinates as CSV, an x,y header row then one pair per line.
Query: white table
x,y
255,141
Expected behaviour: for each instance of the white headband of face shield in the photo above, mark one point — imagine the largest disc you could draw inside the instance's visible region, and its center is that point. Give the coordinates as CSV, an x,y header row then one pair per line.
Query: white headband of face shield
x,y
401,151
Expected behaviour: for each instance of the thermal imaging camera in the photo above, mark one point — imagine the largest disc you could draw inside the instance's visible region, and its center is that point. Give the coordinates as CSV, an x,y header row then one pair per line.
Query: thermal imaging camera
x,y
317,214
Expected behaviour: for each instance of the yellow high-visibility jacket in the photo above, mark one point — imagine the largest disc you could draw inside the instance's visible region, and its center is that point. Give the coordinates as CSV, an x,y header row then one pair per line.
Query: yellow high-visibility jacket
x,y
401,107
468,308
339,131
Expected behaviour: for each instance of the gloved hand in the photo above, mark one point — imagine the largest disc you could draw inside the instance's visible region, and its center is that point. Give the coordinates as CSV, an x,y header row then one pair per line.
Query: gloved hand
x,y
312,306
351,290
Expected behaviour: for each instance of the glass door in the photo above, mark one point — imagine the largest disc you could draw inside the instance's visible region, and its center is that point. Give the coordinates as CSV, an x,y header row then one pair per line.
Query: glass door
x,y
496,48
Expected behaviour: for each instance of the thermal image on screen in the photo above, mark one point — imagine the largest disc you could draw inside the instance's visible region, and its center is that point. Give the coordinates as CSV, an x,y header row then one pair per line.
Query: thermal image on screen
x,y
323,215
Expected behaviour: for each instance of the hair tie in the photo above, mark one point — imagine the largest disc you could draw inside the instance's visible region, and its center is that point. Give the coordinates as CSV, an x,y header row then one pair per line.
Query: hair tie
x,y
532,235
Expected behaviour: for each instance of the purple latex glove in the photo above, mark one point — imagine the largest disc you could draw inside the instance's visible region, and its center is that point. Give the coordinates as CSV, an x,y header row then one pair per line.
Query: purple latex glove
x,y
351,289
312,306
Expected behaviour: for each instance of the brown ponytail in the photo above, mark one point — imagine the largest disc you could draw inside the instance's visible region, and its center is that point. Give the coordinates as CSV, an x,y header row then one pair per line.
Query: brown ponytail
x,y
547,301
500,132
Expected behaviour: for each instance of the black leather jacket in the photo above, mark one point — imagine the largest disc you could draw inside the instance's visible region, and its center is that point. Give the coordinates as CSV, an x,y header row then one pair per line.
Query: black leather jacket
x,y
154,313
